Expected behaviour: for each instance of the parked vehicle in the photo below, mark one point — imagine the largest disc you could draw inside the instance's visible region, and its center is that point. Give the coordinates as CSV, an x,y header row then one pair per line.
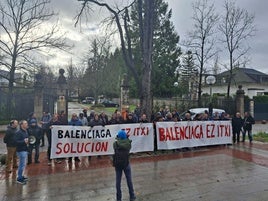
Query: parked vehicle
x,y
195,111
88,100
108,103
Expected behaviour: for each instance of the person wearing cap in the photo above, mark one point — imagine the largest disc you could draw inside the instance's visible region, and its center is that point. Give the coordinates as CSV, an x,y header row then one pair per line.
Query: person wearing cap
x,y
130,119
35,135
123,145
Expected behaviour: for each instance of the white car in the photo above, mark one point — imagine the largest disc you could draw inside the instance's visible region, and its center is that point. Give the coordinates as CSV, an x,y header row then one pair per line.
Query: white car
x,y
195,111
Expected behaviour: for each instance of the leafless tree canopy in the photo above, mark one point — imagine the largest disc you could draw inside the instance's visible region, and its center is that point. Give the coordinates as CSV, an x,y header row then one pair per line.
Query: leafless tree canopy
x,y
25,29
236,26
201,39
120,17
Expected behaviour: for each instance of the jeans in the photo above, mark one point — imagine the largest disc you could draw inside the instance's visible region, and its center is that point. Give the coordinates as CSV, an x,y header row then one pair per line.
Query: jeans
x,y
22,155
36,155
249,135
127,172
49,145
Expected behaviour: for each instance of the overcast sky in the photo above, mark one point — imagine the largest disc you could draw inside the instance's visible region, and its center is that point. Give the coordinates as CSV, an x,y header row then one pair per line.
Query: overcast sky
x,y
182,13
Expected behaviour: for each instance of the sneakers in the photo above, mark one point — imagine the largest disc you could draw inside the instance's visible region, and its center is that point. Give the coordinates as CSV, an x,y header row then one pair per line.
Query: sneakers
x,y
24,178
21,181
132,199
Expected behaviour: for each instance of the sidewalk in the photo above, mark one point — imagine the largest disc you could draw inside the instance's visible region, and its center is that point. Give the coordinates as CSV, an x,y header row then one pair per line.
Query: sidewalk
x,y
215,173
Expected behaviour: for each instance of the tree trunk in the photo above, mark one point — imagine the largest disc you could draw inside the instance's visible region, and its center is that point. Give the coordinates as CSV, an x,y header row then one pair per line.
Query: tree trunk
x,y
146,94
230,75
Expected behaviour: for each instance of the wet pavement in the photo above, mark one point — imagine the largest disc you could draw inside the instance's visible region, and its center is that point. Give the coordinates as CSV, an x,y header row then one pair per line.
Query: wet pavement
x,y
216,173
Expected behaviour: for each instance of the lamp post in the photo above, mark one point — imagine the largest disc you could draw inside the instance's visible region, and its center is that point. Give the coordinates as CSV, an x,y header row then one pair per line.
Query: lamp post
x,y
210,80
176,84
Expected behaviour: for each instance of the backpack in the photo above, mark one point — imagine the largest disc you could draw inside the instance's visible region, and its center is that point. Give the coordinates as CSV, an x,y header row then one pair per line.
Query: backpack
x,y
120,158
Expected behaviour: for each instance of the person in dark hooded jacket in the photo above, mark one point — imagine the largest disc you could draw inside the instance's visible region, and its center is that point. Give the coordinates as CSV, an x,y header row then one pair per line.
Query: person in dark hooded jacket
x,y
122,146
11,145
35,132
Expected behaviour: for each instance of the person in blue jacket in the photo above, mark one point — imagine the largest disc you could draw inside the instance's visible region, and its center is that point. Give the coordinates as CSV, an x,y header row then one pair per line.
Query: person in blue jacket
x,y
21,139
75,121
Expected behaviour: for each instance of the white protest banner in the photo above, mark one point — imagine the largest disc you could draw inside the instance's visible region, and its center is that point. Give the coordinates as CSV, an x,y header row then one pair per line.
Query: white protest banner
x,y
70,141
173,135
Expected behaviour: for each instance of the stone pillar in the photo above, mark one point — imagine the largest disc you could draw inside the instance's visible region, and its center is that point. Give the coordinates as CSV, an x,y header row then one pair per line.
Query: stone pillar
x,y
240,95
62,92
38,96
251,108
124,98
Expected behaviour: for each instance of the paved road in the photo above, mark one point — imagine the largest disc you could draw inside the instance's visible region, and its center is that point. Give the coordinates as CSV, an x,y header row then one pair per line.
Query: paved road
x,y
218,173
215,173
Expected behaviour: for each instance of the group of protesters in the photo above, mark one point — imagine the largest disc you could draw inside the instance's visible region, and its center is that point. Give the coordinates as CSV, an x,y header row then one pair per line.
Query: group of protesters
x,y
31,133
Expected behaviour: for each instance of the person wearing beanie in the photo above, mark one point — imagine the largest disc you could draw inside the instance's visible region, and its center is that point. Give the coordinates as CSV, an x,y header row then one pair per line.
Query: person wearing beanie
x,y
122,146
35,135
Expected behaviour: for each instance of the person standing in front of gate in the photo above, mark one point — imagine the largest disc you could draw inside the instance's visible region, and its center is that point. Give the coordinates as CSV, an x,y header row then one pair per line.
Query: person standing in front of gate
x,y
35,132
21,138
45,120
247,126
11,145
237,123
122,146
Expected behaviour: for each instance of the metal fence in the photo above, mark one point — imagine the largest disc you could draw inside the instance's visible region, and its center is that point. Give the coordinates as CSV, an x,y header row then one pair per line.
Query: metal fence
x,y
261,111
23,102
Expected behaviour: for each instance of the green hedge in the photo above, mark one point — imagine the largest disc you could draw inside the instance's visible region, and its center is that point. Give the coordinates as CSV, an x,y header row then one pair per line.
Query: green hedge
x,y
261,99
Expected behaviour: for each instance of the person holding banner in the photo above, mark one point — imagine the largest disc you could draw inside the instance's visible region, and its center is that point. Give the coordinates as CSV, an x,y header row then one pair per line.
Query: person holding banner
x,y
143,119
54,121
75,121
122,146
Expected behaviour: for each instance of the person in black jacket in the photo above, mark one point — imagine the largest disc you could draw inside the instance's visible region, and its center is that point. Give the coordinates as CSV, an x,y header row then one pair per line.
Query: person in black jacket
x,y
11,145
122,146
35,132
248,121
237,123
21,138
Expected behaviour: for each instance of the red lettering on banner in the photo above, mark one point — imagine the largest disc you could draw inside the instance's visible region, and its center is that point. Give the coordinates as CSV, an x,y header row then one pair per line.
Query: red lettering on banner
x,y
145,131
169,134
87,150
201,134
227,130
207,131
141,131
180,133
161,132
127,131
81,147
59,148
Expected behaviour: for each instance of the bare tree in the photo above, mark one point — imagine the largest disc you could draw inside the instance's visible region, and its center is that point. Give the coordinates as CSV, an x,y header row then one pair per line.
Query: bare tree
x,y
24,32
120,16
236,26
202,40
96,59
